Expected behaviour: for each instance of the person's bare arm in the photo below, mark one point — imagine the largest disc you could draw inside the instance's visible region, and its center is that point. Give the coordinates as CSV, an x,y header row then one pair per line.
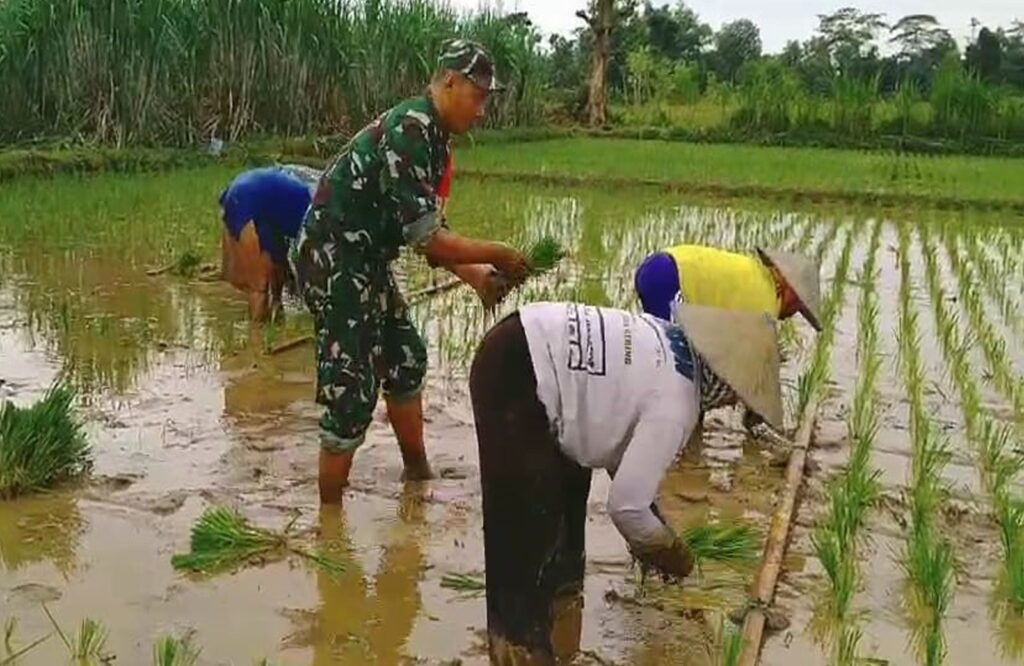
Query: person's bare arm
x,y
447,248
472,274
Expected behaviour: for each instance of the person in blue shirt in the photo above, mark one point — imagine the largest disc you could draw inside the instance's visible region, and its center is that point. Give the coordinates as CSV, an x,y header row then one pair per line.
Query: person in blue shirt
x,y
263,210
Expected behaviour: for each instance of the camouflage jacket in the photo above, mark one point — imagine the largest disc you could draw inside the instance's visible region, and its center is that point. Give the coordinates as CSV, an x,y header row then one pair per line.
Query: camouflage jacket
x,y
380,192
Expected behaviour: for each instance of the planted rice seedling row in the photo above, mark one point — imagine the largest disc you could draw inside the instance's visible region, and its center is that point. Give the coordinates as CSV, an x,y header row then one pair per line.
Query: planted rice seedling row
x,y
812,381
999,466
837,538
992,344
994,281
927,558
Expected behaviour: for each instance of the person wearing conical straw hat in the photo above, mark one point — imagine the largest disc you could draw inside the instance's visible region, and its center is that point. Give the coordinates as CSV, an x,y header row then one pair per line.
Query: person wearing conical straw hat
x,y
776,282
560,389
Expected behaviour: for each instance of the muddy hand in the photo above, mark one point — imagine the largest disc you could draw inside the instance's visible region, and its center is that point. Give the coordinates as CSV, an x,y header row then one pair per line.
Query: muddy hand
x,y
493,289
672,560
513,264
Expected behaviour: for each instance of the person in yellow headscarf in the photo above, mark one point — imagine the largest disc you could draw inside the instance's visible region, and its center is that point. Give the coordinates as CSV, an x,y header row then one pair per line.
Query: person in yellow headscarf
x,y
776,282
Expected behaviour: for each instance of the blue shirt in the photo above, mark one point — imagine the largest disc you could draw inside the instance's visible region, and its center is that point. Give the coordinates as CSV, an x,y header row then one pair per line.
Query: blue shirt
x,y
272,198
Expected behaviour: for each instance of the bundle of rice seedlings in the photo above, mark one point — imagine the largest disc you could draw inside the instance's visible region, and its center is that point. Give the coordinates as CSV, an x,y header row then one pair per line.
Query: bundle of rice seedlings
x,y
732,545
463,583
187,264
223,540
545,255
41,445
173,651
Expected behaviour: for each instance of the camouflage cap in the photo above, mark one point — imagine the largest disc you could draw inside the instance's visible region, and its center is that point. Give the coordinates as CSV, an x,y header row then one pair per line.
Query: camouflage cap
x,y
470,59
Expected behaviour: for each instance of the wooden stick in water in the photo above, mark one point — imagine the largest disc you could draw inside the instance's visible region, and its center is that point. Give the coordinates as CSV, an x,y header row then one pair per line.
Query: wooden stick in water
x,y
775,548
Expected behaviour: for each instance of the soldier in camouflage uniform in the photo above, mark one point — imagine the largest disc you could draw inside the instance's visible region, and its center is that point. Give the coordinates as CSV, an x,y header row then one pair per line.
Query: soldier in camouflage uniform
x,y
379,194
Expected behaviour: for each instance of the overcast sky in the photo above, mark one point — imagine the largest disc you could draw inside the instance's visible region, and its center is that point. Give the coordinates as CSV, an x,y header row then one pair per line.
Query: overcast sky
x,y
782,20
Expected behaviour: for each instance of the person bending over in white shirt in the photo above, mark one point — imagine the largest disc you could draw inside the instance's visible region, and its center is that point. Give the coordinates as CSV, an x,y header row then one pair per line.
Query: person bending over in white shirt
x,y
559,389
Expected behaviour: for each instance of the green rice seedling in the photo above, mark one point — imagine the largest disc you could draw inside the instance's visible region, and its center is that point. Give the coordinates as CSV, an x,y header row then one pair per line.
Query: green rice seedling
x,y
733,545
847,650
174,651
41,445
992,344
222,540
466,584
998,465
928,560
995,286
545,254
89,643
813,380
729,642
86,647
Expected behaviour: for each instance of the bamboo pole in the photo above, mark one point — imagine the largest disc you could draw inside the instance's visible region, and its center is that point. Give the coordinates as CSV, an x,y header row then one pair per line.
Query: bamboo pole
x,y
778,537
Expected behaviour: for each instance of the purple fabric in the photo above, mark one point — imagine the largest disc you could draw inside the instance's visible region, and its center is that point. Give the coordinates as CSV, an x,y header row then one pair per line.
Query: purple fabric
x,y
657,283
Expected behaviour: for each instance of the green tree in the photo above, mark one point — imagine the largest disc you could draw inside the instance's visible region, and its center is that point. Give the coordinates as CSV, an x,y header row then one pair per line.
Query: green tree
x,y
676,33
736,44
921,45
985,56
1013,56
848,35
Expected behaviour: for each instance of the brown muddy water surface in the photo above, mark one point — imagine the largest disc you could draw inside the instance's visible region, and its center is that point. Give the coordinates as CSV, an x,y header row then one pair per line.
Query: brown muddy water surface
x,y
185,409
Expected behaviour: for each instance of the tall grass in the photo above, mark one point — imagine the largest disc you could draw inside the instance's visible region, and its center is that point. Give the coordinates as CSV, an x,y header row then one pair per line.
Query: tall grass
x,y
181,71
772,100
927,559
836,539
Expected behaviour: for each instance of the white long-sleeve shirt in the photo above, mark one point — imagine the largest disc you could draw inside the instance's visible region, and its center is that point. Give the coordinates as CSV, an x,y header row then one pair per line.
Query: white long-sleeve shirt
x,y
609,382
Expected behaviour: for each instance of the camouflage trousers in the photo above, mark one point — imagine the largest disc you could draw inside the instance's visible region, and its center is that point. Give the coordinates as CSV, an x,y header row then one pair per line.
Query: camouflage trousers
x,y
365,340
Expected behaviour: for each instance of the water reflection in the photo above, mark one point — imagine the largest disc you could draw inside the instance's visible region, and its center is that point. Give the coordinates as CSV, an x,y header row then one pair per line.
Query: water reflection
x,y
40,528
363,620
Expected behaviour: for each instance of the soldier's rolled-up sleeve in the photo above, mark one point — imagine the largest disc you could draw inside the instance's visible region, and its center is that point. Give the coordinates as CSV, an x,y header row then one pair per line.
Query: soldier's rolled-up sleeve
x,y
408,180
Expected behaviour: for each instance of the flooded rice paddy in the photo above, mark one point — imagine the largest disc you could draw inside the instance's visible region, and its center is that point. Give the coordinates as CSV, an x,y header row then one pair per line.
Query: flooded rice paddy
x,y
186,409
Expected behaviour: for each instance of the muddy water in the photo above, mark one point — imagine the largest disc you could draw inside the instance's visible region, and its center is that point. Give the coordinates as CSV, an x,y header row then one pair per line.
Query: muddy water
x,y
185,409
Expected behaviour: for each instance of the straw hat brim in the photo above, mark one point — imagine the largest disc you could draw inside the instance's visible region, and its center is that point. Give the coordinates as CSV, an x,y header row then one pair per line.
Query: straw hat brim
x,y
801,274
742,348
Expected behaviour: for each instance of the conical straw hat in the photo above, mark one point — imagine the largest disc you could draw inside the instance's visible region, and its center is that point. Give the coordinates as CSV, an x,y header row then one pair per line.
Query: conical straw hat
x,y
742,348
801,273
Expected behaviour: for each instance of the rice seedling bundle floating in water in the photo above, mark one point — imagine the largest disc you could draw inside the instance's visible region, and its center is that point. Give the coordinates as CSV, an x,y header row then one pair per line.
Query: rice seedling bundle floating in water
x,y
223,540
41,445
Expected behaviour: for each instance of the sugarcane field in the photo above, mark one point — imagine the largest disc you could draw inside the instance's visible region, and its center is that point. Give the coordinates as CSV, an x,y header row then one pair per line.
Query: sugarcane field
x,y
446,333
